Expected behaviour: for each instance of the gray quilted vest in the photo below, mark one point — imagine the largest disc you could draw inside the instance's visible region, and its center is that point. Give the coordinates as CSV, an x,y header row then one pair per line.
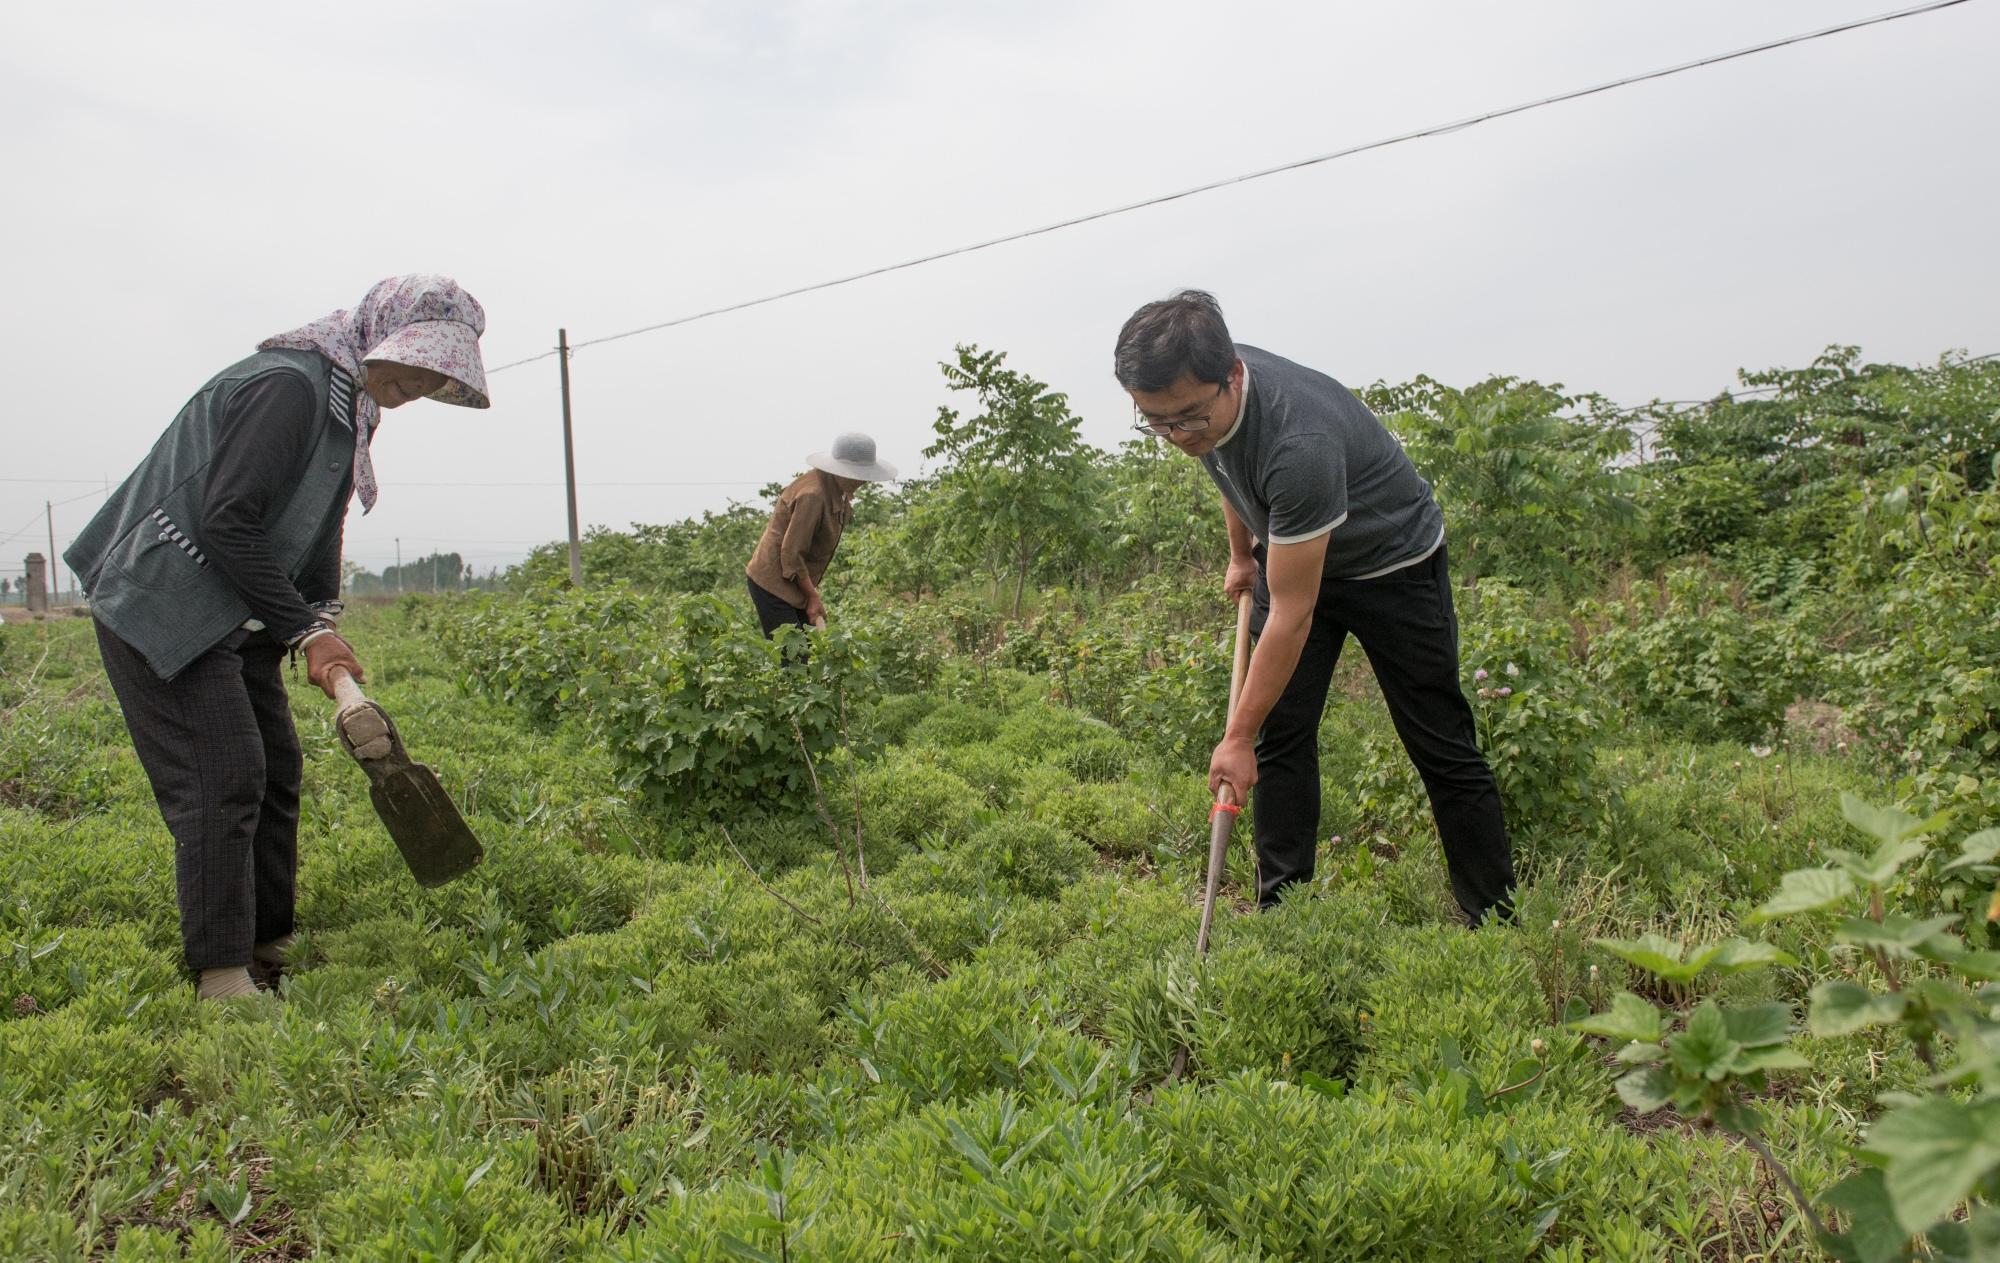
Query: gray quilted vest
x,y
141,558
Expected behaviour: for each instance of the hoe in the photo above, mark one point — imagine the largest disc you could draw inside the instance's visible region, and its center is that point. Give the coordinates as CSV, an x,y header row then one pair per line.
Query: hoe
x,y
420,816
1222,816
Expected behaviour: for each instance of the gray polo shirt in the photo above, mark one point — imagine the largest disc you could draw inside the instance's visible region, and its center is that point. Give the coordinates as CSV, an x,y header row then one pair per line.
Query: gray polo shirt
x,y
1306,457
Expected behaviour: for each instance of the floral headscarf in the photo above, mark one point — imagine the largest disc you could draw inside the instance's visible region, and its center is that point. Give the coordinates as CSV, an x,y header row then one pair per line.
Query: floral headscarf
x,y
421,320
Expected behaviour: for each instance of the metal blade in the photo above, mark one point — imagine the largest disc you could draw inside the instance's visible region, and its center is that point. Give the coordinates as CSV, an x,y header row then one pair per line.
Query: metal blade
x,y
435,841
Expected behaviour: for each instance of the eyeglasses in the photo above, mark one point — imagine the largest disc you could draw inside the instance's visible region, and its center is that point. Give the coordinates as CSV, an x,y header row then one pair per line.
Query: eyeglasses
x,y
1160,428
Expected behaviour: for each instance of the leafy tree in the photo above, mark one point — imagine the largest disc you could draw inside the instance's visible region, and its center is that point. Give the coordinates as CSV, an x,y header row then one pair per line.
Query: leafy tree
x,y
1527,493
1163,514
1020,490
1801,440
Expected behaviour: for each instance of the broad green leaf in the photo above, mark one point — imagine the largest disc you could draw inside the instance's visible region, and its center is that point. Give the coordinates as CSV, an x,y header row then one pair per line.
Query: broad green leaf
x,y
1737,955
1778,1057
741,1249
1322,1085
1759,1025
231,1200
1703,1049
1936,1149
962,1141
1661,957
1646,1090
1805,890
1886,824
1896,933
1629,1018
1982,847
1842,1008
1982,966
1872,1234
1451,1055
1742,1119
1880,868
1650,952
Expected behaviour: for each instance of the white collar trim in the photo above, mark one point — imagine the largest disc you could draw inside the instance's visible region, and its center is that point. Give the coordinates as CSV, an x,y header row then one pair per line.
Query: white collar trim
x,y
1242,406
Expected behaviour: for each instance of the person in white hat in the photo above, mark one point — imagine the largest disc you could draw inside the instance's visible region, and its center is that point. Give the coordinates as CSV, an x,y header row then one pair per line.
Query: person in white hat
x,y
219,555
806,523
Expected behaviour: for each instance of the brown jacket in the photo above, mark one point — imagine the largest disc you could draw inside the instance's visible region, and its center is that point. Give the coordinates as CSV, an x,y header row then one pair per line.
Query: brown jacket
x,y
804,529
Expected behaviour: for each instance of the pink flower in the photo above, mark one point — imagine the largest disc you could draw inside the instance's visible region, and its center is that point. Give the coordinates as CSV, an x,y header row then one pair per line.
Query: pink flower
x,y
1506,692
1480,674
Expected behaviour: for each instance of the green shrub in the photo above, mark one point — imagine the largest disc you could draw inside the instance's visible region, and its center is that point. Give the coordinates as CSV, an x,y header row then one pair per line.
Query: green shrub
x,y
954,724
716,717
1033,858
541,652
907,799
991,770
891,719
1685,655
1537,716
1116,818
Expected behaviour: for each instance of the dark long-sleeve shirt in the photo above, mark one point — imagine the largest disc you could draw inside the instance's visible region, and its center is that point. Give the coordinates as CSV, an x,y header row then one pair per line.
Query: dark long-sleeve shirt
x,y
266,438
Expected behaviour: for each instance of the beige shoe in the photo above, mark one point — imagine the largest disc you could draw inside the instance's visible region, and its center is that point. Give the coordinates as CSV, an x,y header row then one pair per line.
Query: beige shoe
x,y
273,952
225,984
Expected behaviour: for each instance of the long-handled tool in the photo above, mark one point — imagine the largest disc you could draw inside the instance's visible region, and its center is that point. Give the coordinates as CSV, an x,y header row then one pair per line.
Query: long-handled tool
x,y
420,816
1222,816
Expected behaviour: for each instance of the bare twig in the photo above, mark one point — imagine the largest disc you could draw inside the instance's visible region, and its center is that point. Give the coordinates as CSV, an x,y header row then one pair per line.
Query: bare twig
x,y
931,962
1777,1169
854,788
1511,1088
758,878
819,801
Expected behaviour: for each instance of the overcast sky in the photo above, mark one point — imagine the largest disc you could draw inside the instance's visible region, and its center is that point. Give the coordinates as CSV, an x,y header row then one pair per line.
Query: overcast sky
x,y
184,179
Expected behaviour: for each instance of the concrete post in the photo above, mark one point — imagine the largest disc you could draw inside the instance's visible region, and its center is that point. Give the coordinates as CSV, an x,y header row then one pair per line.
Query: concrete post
x,y
37,583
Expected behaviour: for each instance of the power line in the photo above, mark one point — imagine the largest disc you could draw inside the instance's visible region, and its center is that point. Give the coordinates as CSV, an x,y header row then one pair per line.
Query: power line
x,y
1438,129
32,523
725,482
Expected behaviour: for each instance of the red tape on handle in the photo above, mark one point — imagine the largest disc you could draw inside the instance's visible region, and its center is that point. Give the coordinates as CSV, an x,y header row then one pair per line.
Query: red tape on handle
x,y
1231,808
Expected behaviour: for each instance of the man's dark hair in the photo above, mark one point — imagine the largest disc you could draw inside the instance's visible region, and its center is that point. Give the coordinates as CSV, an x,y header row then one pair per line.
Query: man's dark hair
x,y
1179,336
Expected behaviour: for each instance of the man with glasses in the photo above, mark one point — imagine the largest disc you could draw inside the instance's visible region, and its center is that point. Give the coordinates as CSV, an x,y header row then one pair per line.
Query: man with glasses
x,y
1332,531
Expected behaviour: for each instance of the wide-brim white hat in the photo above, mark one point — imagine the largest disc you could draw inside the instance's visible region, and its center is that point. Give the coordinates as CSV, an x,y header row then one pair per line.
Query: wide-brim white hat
x,y
853,456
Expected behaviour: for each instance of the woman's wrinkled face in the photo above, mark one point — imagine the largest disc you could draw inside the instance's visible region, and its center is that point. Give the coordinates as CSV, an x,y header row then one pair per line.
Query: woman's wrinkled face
x,y
391,385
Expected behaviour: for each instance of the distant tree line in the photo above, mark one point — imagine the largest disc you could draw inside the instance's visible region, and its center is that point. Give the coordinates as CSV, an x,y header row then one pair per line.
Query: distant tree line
x,y
437,572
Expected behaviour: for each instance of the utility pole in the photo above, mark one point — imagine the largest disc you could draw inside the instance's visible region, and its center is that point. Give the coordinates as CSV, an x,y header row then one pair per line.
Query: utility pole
x,y
55,562
399,565
569,464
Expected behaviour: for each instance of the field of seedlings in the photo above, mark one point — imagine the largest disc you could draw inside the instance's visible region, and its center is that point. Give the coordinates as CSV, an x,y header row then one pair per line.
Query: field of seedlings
x,y
877,943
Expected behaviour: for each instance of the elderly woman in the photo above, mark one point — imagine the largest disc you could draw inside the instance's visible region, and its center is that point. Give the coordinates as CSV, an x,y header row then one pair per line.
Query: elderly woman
x,y
218,556
805,527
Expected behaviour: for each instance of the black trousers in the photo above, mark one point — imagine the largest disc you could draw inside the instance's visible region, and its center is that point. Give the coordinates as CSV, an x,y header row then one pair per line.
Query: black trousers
x,y
218,745
1407,627
773,611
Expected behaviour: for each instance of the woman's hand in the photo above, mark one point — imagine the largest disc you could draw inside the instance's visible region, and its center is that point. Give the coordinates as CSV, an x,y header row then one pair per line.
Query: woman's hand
x,y
324,653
